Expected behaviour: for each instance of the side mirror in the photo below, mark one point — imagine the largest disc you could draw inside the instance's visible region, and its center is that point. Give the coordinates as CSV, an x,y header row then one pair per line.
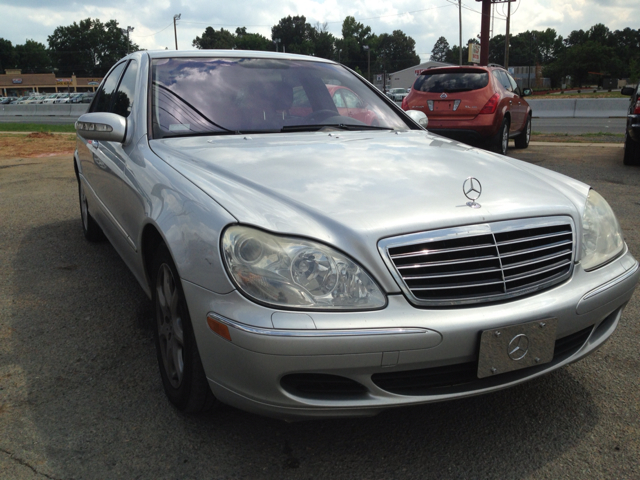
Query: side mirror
x,y
419,117
526,92
627,91
107,127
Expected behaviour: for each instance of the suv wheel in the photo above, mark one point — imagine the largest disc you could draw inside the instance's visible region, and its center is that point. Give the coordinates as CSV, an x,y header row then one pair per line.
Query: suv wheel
x,y
500,142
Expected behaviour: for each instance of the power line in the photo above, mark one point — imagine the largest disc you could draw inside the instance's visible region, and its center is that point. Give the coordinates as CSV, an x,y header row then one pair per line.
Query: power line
x,y
143,36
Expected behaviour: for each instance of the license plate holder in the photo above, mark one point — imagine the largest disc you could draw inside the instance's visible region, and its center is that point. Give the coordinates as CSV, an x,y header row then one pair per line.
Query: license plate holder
x,y
513,347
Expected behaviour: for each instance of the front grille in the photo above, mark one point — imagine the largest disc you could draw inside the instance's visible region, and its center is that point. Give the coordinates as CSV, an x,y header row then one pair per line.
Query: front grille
x,y
428,381
482,263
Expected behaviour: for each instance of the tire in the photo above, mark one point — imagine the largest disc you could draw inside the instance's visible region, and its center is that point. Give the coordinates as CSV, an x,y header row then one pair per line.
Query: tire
x,y
631,151
522,140
90,228
500,142
181,370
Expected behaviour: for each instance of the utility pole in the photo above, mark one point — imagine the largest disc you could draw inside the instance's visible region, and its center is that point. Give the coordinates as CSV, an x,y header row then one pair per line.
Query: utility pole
x,y
175,30
276,41
460,22
127,30
366,47
506,38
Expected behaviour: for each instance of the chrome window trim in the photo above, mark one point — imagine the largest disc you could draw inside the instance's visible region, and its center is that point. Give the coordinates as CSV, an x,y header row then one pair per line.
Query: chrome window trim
x,y
468,231
316,333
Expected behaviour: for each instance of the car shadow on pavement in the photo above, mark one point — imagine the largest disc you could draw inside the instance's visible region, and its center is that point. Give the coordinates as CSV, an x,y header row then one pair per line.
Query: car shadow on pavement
x,y
84,399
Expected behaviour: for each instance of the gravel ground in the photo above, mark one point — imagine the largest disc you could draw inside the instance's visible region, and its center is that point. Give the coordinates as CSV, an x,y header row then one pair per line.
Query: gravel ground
x,y
80,395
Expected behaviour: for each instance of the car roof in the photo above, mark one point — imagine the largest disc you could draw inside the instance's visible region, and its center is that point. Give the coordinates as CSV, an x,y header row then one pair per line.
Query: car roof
x,y
229,54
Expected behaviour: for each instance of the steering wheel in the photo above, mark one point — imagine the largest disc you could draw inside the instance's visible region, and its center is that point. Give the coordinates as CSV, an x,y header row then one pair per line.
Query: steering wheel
x,y
321,115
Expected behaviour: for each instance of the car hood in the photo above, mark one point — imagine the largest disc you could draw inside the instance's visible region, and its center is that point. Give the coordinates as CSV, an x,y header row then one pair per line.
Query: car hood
x,y
350,189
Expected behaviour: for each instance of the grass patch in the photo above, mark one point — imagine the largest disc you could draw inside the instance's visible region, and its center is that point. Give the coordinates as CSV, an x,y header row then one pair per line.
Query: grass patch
x,y
36,127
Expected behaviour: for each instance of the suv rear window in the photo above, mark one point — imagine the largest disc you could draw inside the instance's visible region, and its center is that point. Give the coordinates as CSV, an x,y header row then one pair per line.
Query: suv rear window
x,y
459,81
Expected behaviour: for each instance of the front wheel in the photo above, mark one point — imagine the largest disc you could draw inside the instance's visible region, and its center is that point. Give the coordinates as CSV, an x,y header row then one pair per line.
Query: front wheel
x,y
183,377
522,140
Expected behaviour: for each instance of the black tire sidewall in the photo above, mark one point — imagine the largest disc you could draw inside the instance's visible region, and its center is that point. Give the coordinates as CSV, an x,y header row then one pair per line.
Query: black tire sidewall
x,y
184,396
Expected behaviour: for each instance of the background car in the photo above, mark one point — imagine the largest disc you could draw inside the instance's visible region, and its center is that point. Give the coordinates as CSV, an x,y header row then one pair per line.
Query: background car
x,y
86,97
302,263
397,94
477,105
632,132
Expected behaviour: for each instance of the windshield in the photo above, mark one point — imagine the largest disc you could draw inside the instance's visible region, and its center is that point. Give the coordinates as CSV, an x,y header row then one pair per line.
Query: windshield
x,y
200,96
460,81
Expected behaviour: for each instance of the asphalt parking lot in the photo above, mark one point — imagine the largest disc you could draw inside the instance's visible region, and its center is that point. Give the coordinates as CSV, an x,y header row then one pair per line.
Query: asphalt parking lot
x,y
81,398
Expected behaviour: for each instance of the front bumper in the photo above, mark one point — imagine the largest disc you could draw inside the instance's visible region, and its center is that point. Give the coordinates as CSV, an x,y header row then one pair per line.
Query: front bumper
x,y
252,371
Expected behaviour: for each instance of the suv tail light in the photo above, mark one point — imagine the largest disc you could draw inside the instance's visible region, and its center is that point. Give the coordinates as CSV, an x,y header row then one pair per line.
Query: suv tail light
x,y
491,104
636,110
404,104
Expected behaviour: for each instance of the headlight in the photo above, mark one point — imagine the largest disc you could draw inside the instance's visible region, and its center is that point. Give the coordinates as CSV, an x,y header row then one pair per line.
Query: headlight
x,y
601,233
296,273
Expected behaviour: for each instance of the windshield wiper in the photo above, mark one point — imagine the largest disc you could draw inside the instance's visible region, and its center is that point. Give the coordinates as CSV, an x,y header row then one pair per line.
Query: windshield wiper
x,y
339,126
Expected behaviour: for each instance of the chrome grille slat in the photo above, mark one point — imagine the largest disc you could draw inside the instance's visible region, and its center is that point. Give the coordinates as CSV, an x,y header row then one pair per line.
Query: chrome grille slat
x,y
469,285
537,260
536,272
534,250
449,262
444,250
528,239
466,272
482,263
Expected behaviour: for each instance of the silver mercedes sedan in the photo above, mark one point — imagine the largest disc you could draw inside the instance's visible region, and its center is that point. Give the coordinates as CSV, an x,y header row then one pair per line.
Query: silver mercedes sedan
x,y
305,263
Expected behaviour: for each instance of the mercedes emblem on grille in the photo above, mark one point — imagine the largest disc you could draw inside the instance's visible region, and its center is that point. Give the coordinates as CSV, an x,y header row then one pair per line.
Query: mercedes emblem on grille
x,y
472,189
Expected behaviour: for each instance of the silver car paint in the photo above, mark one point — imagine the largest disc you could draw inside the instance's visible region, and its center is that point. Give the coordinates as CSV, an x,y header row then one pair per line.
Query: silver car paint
x,y
190,189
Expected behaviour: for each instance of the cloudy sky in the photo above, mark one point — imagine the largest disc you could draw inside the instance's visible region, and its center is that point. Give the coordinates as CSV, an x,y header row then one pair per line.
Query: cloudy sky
x,y
425,21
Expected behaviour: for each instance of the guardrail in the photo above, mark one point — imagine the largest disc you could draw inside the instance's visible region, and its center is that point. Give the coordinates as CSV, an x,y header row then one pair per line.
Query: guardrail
x,y
52,110
561,107
579,107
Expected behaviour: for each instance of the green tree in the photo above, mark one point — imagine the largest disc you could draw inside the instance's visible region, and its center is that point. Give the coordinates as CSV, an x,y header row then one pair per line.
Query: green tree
x,y
7,55
89,47
214,39
440,50
396,51
294,34
252,41
33,57
354,37
323,41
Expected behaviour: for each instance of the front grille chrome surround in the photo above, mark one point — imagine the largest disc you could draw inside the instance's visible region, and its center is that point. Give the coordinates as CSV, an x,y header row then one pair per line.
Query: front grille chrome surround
x,y
482,263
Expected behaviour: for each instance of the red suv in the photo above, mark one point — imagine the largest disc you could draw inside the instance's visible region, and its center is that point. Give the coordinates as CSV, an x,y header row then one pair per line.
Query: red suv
x,y
473,104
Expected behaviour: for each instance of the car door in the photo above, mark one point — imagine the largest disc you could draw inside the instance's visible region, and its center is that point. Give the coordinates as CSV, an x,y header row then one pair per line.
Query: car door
x,y
104,163
520,105
511,100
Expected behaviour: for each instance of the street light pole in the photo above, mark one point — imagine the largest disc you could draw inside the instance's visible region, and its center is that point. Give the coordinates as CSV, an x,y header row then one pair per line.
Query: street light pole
x,y
127,30
460,29
276,41
175,30
366,47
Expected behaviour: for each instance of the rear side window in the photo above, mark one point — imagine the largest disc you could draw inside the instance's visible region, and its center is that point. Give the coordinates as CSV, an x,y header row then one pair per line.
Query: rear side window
x,y
447,82
503,80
